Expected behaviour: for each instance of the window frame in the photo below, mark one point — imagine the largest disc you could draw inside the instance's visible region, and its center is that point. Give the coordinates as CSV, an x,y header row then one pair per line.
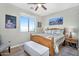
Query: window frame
x,y
29,18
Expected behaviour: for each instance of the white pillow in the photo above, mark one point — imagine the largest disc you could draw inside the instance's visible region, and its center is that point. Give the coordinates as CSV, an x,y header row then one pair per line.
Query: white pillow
x,y
49,32
61,32
58,32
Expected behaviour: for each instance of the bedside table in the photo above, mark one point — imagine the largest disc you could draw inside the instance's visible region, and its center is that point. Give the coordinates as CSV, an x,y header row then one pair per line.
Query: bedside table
x,y
71,41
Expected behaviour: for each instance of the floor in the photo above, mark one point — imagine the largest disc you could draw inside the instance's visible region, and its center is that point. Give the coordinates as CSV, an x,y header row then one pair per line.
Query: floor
x,y
69,51
19,51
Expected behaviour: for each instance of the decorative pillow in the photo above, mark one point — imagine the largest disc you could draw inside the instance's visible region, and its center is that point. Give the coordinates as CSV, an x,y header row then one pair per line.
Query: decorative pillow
x,y
48,31
57,32
61,32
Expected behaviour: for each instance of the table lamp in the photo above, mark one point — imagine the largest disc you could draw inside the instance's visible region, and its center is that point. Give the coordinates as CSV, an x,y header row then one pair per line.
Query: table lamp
x,y
70,35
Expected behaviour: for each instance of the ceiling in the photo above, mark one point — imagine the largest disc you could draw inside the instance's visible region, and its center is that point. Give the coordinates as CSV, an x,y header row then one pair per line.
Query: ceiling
x,y
51,7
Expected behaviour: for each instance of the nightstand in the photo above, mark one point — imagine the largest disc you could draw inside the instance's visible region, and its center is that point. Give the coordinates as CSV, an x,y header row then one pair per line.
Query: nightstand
x,y
71,42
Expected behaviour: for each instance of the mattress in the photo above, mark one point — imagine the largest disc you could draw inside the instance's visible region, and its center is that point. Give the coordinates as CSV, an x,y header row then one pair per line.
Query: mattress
x,y
35,49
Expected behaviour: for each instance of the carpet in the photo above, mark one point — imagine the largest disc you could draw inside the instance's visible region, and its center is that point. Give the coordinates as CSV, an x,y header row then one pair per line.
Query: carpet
x,y
68,51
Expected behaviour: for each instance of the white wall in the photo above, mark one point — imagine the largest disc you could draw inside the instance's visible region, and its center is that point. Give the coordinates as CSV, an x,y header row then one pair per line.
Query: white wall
x,y
39,29
14,35
70,17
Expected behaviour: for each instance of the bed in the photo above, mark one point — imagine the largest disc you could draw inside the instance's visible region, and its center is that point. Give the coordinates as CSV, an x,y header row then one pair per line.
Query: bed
x,y
51,41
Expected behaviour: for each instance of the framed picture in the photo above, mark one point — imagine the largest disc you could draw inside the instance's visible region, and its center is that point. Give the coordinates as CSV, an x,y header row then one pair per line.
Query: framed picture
x,y
10,21
56,21
39,24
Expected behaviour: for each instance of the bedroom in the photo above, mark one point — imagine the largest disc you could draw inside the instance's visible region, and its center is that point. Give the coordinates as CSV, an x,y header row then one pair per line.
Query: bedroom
x,y
17,36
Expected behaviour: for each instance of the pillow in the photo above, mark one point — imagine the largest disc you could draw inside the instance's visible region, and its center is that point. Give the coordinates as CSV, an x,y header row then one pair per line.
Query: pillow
x,y
57,32
48,31
45,31
61,32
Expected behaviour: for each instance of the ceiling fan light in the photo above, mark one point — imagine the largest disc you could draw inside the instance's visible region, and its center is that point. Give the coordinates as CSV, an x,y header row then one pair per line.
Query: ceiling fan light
x,y
39,5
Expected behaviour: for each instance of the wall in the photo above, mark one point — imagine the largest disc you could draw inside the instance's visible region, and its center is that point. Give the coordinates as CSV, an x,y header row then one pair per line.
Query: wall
x,y
70,16
39,29
14,35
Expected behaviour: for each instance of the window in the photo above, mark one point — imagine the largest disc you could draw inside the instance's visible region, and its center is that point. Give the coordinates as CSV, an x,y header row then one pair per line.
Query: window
x,y
27,24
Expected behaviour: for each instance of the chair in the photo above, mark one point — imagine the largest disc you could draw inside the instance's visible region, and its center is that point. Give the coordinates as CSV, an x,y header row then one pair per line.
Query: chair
x,y
3,46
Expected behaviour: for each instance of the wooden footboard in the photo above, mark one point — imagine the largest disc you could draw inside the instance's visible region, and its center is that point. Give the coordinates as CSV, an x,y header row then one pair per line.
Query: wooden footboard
x,y
44,41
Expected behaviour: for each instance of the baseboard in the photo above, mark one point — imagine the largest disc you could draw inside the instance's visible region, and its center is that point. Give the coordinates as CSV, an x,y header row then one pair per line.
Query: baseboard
x,y
17,45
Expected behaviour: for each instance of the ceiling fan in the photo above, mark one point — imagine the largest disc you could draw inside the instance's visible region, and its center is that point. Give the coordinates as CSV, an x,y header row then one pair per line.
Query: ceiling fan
x,y
38,5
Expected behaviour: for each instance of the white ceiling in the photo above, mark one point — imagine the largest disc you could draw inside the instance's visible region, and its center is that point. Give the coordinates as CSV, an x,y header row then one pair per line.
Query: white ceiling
x,y
51,7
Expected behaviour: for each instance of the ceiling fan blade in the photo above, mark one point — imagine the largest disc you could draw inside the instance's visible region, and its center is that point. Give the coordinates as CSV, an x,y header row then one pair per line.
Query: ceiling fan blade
x,y
36,8
32,3
43,7
36,3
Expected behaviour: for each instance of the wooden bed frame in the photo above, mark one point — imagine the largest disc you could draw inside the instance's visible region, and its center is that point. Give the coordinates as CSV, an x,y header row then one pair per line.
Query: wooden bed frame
x,y
44,41
47,42
55,28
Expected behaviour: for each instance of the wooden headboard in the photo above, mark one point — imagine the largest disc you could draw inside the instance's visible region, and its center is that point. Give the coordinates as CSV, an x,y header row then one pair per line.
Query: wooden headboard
x,y
55,28
58,29
44,41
